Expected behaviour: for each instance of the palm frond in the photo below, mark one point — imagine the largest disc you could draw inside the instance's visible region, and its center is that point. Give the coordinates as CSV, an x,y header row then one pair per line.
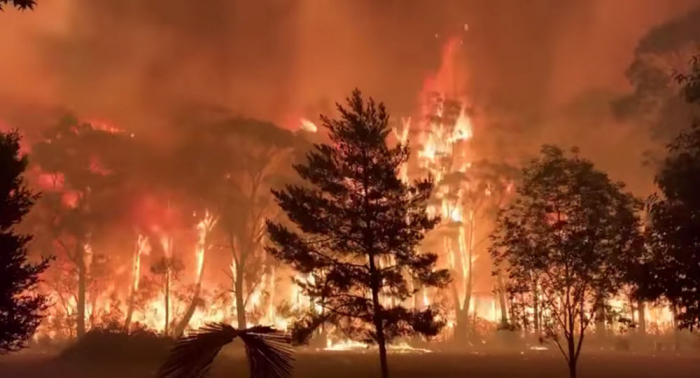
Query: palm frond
x,y
193,355
268,350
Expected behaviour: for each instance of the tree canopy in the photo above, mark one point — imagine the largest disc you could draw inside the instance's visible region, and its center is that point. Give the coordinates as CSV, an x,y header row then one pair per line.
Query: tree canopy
x,y
566,242
19,4
672,269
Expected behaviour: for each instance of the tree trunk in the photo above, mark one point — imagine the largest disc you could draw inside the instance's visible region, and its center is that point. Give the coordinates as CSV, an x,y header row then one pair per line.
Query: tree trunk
x,y
240,300
180,328
600,319
129,313
572,356
461,325
536,309
641,317
502,300
82,284
378,318
572,369
166,330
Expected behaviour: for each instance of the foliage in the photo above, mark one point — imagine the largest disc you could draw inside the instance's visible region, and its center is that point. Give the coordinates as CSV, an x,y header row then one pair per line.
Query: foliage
x,y
20,306
569,235
19,4
358,227
671,269
268,351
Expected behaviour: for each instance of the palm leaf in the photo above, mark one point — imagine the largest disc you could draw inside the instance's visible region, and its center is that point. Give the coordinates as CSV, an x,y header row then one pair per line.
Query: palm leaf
x,y
268,350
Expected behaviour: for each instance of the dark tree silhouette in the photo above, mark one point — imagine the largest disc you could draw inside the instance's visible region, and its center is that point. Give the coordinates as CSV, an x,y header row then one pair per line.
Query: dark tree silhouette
x,y
569,235
360,226
19,4
20,305
672,270
268,351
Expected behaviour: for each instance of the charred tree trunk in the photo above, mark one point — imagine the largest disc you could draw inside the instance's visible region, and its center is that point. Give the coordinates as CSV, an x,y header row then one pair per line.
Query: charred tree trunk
x,y
572,361
378,318
185,321
641,317
166,329
600,318
536,309
461,325
82,290
502,300
240,299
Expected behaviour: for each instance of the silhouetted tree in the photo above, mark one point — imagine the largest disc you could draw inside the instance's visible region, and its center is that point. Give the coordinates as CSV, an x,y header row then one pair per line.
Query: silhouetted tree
x,y
19,4
20,306
672,269
359,226
268,352
569,236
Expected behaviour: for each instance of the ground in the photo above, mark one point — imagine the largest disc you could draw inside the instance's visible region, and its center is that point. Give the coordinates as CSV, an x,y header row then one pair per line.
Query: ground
x,y
356,365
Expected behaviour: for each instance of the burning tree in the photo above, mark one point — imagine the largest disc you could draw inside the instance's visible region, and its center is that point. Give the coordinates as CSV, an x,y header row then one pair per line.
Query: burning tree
x,y
86,196
359,226
20,306
568,236
232,164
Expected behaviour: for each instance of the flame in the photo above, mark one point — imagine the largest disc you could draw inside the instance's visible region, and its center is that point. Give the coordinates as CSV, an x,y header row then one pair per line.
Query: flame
x,y
203,228
142,247
307,125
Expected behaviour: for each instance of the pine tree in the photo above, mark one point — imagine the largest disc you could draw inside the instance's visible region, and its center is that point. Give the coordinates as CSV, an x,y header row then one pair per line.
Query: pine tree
x,y
20,305
358,227
19,4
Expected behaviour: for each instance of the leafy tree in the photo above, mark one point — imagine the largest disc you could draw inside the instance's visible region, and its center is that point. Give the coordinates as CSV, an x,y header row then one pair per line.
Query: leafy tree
x,y
267,350
88,167
20,305
232,163
569,235
672,269
19,4
358,226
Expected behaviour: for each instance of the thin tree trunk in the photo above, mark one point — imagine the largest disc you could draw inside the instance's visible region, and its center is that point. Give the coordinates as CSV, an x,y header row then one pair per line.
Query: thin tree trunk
x,y
378,319
600,318
240,300
82,284
502,300
536,309
641,317
166,330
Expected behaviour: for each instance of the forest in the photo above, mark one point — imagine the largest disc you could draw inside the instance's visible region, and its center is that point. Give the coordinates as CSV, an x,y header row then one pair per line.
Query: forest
x,y
447,237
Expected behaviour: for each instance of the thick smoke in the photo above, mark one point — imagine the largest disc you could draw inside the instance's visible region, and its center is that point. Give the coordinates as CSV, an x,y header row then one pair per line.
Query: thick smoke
x,y
138,62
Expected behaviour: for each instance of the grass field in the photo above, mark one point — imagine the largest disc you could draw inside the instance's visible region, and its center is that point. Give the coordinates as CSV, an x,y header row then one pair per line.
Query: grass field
x,y
356,365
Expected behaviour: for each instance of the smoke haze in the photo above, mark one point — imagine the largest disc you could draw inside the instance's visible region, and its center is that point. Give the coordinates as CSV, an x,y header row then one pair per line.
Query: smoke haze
x,y
550,67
